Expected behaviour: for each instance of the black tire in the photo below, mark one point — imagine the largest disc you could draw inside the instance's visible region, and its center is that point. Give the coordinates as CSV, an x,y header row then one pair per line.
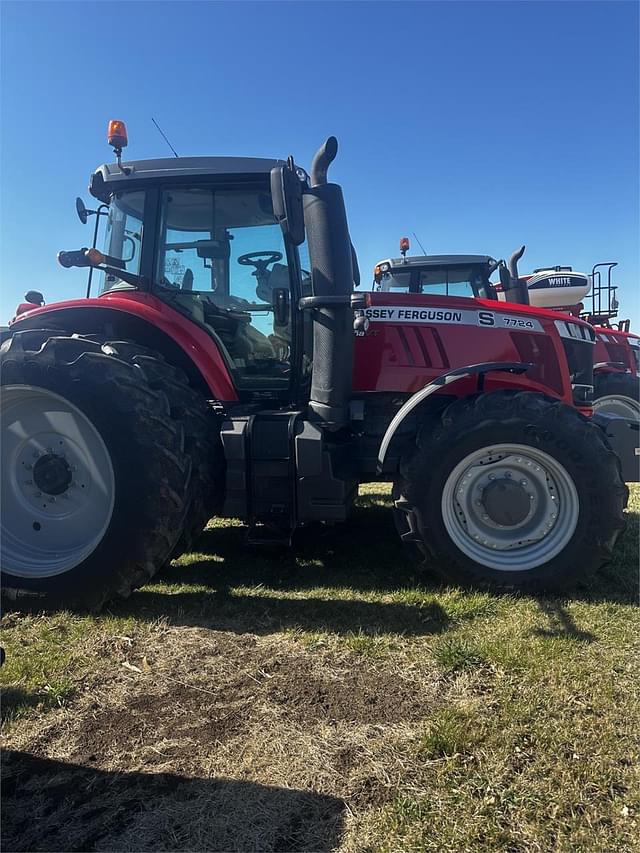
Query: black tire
x,y
616,385
201,427
151,471
521,418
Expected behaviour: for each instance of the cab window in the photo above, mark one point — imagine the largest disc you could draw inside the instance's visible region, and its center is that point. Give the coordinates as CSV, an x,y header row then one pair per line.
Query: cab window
x,y
123,237
222,258
454,281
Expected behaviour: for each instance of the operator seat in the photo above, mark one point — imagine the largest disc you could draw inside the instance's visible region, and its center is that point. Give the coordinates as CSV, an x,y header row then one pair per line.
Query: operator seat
x,y
187,280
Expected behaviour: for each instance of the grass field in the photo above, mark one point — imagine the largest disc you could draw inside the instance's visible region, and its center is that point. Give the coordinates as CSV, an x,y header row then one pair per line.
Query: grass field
x,y
333,700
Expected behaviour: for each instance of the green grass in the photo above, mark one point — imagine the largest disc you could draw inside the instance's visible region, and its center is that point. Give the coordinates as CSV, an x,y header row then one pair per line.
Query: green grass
x,y
525,735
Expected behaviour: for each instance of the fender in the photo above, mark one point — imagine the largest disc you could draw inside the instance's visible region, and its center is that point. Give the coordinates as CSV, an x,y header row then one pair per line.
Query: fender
x,y
154,324
611,367
447,378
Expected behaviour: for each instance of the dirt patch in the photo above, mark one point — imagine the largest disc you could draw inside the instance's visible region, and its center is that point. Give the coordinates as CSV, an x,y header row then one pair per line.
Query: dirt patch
x,y
205,708
352,691
158,719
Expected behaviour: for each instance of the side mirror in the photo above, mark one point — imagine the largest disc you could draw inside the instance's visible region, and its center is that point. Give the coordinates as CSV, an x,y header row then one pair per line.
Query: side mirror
x,y
81,210
286,192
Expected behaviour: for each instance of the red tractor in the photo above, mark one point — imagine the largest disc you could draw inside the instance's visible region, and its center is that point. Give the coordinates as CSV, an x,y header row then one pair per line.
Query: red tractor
x,y
616,369
214,375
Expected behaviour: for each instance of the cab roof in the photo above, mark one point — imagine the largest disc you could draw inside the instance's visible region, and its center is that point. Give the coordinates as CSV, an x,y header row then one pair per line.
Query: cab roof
x,y
110,177
437,261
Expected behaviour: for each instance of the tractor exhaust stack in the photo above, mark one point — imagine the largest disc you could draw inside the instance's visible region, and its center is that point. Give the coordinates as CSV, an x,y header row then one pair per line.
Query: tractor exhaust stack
x,y
332,276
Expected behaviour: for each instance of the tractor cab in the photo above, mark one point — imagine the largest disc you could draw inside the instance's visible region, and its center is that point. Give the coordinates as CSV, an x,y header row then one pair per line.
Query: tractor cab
x,y
442,275
451,275
203,238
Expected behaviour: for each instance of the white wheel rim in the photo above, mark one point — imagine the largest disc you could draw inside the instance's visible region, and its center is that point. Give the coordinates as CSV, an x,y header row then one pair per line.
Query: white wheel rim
x,y
540,531
617,404
58,485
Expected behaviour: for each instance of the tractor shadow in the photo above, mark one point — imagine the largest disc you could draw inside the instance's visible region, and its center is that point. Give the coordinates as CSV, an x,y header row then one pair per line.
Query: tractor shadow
x,y
213,586
54,805
362,557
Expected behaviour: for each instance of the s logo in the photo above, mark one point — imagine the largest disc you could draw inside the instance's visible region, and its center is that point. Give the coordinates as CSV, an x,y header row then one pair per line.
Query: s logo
x,y
486,318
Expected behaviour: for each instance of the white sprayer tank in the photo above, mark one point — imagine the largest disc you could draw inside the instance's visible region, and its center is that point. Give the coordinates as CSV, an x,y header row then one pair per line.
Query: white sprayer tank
x,y
552,288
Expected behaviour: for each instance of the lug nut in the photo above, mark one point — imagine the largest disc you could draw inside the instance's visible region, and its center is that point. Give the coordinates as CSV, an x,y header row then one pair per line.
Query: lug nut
x,y
523,482
492,476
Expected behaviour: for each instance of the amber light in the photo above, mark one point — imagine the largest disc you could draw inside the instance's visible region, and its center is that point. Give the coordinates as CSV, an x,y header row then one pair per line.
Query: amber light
x,y
404,244
117,134
95,257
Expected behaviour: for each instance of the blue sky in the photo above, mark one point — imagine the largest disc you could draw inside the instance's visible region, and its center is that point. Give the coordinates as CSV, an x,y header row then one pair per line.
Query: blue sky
x,y
479,126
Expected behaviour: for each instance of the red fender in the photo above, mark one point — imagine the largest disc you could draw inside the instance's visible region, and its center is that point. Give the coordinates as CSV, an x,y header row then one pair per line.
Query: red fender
x,y
199,347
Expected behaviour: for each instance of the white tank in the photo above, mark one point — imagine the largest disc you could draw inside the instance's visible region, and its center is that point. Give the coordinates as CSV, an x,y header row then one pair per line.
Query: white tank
x,y
553,288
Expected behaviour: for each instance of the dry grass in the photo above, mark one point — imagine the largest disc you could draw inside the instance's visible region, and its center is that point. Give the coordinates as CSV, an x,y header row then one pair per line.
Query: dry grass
x,y
332,700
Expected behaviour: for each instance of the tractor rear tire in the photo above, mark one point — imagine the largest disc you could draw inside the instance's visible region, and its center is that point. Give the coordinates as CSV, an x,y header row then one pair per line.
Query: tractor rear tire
x,y
201,435
617,393
511,490
95,477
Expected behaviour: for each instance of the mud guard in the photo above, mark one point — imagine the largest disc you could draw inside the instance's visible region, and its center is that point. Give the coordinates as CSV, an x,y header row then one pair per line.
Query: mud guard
x,y
623,435
447,378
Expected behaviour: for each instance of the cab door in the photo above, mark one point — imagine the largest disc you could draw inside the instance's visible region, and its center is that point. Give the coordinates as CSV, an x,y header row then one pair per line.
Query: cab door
x,y
223,257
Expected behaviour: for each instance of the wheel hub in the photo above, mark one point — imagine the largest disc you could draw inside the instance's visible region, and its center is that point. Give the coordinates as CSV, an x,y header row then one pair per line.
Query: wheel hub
x,y
58,484
506,502
52,474
510,507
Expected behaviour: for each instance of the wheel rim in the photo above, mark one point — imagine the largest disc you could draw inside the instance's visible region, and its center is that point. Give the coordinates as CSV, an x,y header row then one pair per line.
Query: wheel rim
x,y
617,404
58,485
510,507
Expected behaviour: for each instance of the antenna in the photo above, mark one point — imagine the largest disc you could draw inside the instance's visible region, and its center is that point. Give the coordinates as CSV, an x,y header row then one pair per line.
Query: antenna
x,y
424,251
175,153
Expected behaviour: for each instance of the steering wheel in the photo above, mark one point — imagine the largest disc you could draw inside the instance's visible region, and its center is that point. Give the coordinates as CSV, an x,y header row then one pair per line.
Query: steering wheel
x,y
259,260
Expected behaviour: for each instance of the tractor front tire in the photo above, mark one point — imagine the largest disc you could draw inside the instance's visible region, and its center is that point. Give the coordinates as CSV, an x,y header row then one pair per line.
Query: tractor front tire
x,y
95,477
511,490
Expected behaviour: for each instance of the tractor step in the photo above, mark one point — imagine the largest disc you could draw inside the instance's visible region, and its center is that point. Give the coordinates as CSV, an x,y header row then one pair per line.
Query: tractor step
x,y
268,536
